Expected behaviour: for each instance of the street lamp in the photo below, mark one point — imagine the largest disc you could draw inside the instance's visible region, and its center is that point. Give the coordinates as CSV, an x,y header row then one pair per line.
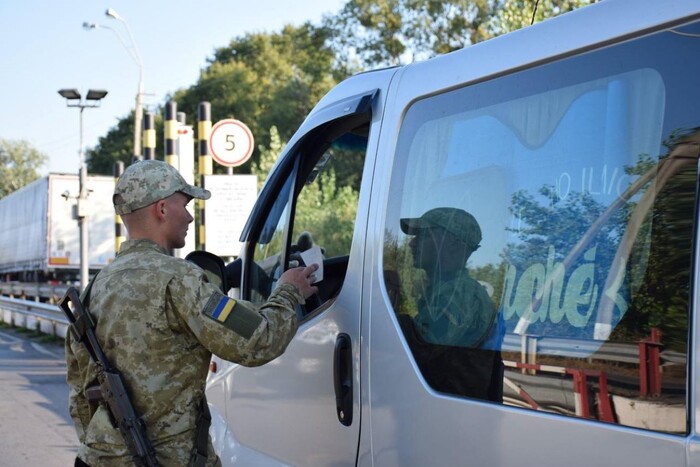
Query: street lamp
x,y
136,56
74,99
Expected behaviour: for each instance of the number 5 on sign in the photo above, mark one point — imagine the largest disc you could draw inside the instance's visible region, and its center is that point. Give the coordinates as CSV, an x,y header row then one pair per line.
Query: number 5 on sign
x,y
231,142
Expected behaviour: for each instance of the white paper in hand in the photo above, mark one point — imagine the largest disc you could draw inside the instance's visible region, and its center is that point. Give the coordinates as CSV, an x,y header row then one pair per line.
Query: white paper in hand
x,y
314,256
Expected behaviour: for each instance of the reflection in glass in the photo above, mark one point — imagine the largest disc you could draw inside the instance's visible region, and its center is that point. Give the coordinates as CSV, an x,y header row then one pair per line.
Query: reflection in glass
x,y
582,174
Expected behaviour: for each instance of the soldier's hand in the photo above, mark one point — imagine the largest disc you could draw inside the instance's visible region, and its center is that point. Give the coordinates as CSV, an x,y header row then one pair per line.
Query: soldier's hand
x,y
302,278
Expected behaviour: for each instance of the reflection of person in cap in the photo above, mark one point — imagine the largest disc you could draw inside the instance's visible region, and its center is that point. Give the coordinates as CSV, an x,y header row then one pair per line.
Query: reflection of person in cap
x,y
159,319
454,310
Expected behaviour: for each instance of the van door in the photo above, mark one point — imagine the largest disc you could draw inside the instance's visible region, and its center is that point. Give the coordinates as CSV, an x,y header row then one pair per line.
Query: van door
x,y
532,267
303,408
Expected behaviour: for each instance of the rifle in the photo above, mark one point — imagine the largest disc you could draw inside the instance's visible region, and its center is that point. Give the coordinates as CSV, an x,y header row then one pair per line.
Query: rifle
x,y
112,387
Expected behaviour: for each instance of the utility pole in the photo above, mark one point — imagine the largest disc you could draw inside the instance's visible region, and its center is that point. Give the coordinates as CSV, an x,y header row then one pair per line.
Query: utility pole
x,y
74,99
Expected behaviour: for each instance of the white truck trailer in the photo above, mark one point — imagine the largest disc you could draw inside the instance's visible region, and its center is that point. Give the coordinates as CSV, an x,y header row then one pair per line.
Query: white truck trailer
x,y
39,232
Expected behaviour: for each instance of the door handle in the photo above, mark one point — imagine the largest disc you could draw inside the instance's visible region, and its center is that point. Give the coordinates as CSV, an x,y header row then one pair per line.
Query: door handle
x,y
342,378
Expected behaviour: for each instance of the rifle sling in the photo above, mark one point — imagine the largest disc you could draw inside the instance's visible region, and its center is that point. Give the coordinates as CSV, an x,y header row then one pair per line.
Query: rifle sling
x,y
84,322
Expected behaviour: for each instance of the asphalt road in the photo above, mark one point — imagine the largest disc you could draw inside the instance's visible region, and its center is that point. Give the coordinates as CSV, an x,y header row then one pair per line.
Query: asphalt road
x,y
35,427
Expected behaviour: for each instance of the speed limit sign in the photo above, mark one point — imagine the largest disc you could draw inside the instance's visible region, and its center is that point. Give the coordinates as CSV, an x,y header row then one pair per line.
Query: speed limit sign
x,y
231,142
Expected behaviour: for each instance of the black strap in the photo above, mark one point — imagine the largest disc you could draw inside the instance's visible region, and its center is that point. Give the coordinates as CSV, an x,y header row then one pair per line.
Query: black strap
x,y
201,447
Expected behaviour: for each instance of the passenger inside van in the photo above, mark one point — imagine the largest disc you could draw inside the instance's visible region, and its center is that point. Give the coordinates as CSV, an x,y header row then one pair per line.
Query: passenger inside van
x,y
456,332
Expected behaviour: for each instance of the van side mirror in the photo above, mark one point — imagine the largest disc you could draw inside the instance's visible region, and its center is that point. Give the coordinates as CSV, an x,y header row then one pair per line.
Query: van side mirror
x,y
213,266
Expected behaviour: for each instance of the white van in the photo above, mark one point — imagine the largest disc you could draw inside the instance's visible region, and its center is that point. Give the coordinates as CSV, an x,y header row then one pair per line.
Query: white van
x,y
510,265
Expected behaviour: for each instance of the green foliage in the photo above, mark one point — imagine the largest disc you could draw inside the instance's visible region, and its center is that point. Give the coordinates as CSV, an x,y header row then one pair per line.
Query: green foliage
x,y
550,221
517,14
268,157
661,301
116,145
372,33
19,163
265,80
262,79
657,271
402,278
392,32
328,211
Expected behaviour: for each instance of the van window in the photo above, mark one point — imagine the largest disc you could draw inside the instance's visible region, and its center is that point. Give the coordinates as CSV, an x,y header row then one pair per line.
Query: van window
x,y
316,206
538,242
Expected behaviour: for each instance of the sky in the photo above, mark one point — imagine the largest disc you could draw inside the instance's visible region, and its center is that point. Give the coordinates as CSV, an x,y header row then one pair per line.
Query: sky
x,y
45,48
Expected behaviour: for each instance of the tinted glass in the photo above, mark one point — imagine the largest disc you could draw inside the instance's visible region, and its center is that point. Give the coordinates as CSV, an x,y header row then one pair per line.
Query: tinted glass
x,y
542,222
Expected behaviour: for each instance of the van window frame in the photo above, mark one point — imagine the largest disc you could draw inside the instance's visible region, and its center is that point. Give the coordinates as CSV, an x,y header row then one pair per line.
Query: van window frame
x,y
292,167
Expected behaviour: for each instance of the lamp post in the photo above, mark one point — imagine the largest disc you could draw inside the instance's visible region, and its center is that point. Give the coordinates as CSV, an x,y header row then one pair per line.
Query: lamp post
x,y
136,56
74,99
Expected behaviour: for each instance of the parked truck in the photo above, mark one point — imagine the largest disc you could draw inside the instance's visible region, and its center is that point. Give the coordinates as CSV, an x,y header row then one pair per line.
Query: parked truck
x,y
39,232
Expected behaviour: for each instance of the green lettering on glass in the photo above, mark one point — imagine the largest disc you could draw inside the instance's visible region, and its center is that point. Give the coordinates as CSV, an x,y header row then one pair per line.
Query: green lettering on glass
x,y
541,292
581,291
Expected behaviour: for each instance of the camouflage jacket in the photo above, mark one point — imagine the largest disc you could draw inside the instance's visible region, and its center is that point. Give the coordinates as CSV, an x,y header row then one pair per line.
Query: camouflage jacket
x,y
456,312
159,320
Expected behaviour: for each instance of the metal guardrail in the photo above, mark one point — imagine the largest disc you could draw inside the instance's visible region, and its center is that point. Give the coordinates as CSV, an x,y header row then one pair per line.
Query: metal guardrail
x,y
33,289
579,348
28,314
49,319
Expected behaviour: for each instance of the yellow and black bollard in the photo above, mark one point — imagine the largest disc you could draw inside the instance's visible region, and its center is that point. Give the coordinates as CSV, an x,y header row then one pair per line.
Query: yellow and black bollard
x,y
119,233
149,136
170,133
205,162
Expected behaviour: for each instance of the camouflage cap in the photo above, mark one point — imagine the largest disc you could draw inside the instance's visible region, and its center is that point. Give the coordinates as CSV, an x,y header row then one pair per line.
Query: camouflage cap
x,y
145,182
458,222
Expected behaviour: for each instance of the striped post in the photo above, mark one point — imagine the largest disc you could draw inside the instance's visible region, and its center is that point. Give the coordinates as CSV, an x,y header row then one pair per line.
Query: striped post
x,y
205,162
149,136
170,130
119,234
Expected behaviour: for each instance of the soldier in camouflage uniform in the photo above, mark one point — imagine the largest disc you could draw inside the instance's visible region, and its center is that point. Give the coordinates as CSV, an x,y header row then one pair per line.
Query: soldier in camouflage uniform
x,y
455,335
159,319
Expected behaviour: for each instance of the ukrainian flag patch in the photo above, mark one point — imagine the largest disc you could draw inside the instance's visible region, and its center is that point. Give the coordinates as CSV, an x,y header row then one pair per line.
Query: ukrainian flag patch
x,y
241,319
221,308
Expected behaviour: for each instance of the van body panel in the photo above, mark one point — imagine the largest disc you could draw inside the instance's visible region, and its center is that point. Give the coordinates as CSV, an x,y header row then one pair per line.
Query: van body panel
x,y
285,412
475,433
470,431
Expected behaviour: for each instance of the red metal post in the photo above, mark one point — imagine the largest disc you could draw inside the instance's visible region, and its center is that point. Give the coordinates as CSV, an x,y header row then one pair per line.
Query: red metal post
x,y
643,379
580,392
605,411
650,365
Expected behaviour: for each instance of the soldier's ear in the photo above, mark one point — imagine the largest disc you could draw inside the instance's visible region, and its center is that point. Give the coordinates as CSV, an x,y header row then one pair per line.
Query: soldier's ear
x,y
159,208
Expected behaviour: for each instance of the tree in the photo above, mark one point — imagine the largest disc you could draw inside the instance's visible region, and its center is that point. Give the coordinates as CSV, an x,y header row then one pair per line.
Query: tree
x,y
19,163
392,32
655,285
262,79
266,80
372,33
116,145
517,14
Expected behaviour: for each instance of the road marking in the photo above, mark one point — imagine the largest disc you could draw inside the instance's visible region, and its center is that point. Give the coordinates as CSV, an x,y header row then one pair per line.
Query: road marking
x,y
15,344
40,348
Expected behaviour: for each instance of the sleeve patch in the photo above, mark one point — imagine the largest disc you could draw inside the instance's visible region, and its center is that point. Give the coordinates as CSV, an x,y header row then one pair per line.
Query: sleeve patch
x,y
223,310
